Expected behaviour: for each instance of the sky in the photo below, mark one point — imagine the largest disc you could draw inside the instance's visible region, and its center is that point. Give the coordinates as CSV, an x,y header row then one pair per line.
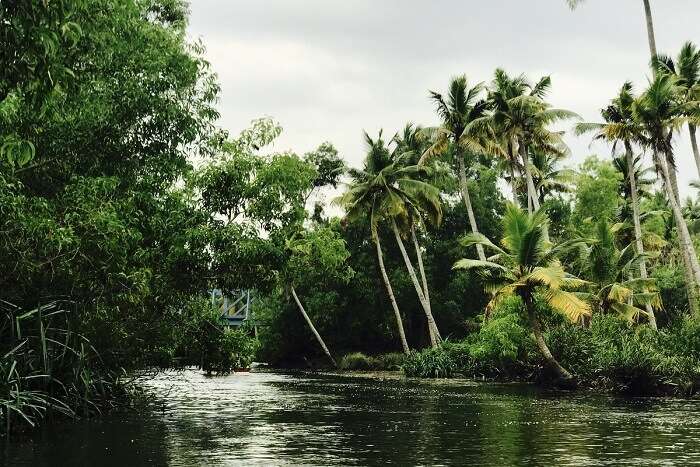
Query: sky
x,y
327,69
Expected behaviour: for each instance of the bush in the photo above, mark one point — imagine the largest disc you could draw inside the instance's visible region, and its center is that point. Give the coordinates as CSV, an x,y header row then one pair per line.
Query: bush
x,y
358,361
499,347
213,347
614,356
391,361
446,361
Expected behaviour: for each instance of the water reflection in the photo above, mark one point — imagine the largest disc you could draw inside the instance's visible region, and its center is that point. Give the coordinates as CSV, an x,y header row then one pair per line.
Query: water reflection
x,y
271,419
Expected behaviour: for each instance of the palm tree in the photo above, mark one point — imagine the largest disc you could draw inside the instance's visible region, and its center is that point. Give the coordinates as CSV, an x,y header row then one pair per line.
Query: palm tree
x,y
528,266
521,119
686,70
363,198
650,23
658,112
610,270
620,127
409,146
398,196
462,106
548,177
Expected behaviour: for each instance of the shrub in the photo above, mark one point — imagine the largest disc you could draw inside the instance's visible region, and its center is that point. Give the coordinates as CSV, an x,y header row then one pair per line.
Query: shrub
x,y
357,361
360,362
499,347
390,361
445,361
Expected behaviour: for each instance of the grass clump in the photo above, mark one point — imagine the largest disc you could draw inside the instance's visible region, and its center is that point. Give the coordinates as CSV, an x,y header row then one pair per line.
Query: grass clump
x,y
357,361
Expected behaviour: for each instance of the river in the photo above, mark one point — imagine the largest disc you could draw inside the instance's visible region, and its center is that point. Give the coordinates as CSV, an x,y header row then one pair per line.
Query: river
x,y
301,419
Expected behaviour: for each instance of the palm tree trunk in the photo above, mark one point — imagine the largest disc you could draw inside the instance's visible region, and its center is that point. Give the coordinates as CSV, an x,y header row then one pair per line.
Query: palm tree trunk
x,y
424,280
541,344
531,190
650,31
392,299
686,244
694,144
513,185
638,226
432,327
313,328
468,203
692,259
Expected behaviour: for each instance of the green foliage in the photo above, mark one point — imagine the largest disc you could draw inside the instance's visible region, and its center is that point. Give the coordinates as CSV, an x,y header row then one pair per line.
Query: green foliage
x,y
205,342
47,367
357,361
616,357
596,193
438,362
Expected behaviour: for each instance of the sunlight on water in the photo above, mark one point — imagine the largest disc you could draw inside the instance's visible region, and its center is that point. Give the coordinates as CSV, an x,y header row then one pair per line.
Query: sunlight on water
x,y
272,419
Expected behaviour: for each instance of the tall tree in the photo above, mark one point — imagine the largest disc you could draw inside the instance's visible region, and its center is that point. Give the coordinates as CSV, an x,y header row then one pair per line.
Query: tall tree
x,y
657,111
462,106
521,119
620,127
363,198
686,70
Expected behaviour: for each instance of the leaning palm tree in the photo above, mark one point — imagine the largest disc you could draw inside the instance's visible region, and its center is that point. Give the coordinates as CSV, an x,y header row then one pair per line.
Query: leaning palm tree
x,y
658,112
397,196
363,199
619,127
462,106
409,147
686,70
528,266
650,23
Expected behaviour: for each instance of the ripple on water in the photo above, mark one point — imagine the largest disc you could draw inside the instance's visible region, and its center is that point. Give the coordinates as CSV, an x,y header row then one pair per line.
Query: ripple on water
x,y
278,419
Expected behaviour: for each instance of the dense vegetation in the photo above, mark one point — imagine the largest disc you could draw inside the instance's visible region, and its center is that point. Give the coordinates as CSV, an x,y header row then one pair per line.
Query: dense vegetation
x,y
467,246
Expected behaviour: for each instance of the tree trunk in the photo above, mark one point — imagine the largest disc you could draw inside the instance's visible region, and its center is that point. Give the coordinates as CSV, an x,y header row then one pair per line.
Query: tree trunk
x,y
432,327
650,31
313,329
531,190
541,344
694,144
468,203
392,299
638,225
424,280
684,238
513,182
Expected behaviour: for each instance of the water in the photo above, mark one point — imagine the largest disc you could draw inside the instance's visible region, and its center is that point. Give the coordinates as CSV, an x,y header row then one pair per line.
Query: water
x,y
287,419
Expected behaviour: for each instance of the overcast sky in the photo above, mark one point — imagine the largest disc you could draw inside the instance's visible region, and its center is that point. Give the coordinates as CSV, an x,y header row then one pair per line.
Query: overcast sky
x,y
327,69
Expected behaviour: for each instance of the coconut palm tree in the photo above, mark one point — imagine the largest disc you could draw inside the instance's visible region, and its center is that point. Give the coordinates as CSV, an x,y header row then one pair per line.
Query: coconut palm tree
x,y
528,266
461,106
548,176
686,70
521,119
644,183
611,272
363,199
619,127
409,146
650,23
399,197
657,110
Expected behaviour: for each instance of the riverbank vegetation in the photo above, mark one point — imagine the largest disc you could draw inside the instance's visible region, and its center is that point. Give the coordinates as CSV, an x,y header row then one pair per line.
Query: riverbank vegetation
x,y
469,245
